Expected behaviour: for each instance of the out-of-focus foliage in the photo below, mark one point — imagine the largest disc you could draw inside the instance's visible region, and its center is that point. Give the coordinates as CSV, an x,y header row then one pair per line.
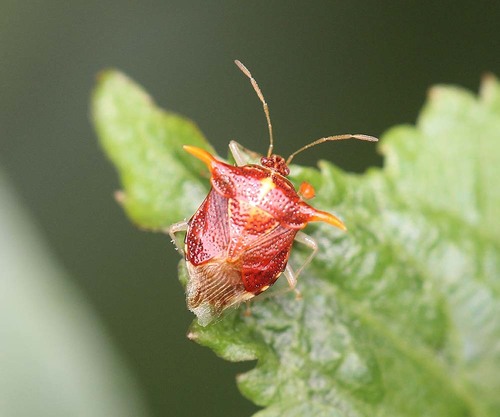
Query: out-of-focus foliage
x,y
55,359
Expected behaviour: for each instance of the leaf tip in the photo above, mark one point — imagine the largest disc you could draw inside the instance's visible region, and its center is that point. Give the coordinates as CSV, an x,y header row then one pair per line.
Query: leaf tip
x,y
192,336
106,73
489,87
488,77
120,197
434,92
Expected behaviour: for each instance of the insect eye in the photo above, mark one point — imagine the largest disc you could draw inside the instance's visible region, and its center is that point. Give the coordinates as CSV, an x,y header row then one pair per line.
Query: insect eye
x,y
306,191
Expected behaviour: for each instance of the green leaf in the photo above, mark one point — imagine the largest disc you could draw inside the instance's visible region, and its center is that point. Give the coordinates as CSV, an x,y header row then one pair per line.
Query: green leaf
x,y
399,317
161,182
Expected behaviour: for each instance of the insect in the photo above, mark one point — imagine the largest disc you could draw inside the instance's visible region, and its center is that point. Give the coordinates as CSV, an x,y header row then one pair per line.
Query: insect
x,y
239,240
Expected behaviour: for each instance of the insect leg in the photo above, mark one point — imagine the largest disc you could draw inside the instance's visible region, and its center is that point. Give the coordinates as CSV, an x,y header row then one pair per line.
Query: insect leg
x,y
238,155
291,277
176,228
248,309
290,274
243,156
311,244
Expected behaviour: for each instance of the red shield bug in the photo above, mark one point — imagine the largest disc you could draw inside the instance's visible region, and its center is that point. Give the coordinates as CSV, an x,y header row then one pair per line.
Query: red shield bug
x,y
239,240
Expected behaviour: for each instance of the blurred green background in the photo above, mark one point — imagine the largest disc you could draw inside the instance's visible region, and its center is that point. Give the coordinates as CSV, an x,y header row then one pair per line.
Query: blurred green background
x,y
325,67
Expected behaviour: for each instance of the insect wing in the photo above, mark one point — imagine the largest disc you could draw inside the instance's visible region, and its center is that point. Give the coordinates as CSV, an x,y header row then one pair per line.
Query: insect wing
x,y
266,258
208,235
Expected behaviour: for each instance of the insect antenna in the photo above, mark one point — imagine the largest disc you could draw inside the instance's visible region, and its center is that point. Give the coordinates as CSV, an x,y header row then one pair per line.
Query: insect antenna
x,y
330,139
264,104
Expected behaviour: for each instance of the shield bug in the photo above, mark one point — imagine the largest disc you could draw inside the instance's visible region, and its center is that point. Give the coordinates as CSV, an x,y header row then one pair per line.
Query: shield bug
x,y
239,240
